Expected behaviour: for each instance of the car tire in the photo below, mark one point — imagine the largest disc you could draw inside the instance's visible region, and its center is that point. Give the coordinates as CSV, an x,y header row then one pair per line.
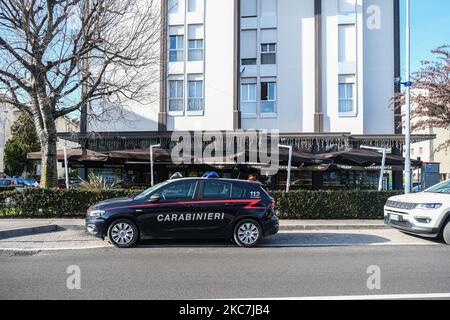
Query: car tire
x,y
446,233
247,233
123,233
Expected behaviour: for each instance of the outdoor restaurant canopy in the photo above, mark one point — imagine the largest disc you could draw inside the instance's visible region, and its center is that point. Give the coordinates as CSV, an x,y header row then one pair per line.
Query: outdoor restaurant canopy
x,y
75,154
298,158
159,155
364,158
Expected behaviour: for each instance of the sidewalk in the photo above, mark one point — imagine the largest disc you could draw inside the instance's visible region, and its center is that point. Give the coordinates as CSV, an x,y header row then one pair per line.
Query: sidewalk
x,y
30,236
20,227
293,225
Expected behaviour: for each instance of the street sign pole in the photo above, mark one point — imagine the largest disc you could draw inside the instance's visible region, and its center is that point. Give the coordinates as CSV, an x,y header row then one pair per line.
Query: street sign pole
x,y
288,183
66,167
151,163
408,101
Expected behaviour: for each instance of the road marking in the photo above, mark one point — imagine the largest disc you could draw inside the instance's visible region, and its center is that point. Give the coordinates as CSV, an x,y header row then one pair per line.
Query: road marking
x,y
364,297
52,249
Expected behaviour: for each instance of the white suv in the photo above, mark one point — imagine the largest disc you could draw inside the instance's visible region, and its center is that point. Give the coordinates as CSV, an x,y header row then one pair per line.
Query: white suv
x,y
426,213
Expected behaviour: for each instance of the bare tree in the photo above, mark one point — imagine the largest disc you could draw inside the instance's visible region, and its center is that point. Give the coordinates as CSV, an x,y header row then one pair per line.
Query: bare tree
x,y
431,98
57,56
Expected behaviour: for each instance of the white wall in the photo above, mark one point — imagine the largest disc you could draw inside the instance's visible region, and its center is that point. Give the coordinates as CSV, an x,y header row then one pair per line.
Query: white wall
x,y
140,114
379,69
7,118
217,70
294,70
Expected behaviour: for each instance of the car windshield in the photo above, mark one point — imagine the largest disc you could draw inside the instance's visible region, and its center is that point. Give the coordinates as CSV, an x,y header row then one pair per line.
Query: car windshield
x,y
443,187
147,192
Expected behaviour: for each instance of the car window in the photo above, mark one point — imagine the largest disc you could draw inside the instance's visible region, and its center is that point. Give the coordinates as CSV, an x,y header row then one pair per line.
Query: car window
x,y
5,182
216,190
237,192
181,190
443,187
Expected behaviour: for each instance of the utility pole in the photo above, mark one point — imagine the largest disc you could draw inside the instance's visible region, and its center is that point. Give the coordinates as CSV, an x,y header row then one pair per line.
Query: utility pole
x,y
408,100
84,72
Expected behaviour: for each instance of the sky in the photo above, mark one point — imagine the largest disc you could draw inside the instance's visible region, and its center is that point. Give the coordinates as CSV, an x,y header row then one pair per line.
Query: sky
x,y
430,28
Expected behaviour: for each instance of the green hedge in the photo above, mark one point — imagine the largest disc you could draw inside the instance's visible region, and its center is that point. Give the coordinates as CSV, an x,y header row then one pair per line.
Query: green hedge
x,y
331,204
42,203
6,188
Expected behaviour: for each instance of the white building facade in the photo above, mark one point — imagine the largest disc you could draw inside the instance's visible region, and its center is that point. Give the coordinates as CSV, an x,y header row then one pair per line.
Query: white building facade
x,y
309,66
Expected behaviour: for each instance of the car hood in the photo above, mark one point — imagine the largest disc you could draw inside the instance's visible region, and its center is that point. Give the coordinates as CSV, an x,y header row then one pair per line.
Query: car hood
x,y
107,204
423,197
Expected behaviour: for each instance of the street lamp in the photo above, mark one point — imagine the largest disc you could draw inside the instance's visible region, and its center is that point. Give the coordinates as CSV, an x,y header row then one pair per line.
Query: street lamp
x,y
383,164
288,183
151,162
408,100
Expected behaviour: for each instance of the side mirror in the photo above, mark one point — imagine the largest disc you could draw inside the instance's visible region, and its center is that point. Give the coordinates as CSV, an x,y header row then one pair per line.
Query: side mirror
x,y
155,198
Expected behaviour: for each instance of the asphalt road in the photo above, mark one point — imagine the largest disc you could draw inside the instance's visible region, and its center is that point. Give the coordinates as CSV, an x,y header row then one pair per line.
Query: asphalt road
x,y
205,270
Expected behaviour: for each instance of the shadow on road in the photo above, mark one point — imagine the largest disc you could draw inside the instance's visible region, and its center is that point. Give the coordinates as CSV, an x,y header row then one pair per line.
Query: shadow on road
x,y
279,241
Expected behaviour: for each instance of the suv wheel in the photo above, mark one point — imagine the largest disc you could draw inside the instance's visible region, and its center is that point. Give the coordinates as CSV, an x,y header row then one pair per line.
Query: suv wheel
x,y
247,233
123,233
446,233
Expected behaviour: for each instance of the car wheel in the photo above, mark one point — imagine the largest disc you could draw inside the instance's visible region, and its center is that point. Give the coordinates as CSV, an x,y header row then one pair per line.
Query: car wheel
x,y
247,233
123,233
446,233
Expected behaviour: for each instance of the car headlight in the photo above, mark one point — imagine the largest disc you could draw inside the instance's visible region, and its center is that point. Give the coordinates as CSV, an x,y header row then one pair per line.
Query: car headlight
x,y
429,206
96,213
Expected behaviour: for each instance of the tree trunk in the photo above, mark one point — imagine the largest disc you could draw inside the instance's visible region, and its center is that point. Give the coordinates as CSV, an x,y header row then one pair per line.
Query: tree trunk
x,y
46,131
49,164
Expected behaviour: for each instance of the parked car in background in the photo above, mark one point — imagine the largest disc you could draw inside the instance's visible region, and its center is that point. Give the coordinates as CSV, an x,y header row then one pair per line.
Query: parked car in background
x,y
73,183
26,182
10,182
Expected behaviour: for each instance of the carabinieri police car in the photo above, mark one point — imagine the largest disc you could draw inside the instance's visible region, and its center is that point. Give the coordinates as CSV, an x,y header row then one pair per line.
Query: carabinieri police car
x,y
188,208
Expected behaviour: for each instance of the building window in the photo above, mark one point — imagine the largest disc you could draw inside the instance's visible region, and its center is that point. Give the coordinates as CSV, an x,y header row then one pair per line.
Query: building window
x,y
347,43
248,62
173,6
192,5
268,53
248,47
268,97
268,8
195,50
195,43
248,98
248,8
347,6
346,94
176,95
195,99
176,49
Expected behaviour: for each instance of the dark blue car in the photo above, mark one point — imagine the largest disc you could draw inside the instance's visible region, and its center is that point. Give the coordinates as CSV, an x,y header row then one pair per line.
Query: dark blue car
x,y
189,208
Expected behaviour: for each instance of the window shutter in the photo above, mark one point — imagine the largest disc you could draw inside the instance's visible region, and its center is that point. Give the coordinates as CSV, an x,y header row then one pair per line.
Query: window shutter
x,y
248,44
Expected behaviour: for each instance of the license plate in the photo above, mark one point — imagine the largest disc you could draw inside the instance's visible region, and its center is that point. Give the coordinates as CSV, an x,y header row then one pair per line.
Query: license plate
x,y
395,217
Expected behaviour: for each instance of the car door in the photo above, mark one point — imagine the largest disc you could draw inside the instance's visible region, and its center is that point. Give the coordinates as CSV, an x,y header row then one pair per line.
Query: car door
x,y
217,206
167,217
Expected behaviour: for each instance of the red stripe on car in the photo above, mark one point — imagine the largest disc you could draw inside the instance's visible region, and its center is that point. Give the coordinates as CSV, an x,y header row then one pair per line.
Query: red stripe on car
x,y
251,203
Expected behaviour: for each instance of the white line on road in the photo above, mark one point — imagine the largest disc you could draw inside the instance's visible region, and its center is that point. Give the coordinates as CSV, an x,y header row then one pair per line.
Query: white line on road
x,y
364,297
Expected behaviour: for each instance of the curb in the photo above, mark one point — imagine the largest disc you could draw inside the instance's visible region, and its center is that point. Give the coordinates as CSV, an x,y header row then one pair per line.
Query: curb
x,y
20,232
332,227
